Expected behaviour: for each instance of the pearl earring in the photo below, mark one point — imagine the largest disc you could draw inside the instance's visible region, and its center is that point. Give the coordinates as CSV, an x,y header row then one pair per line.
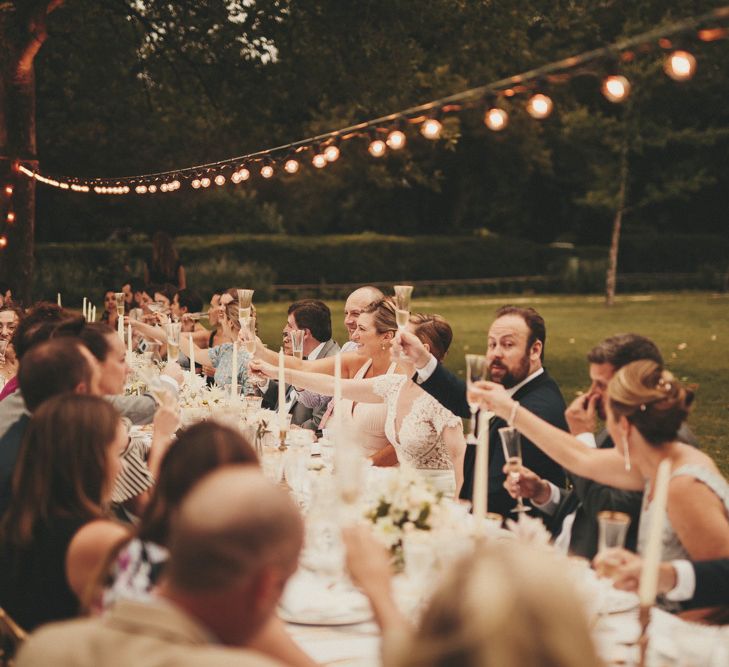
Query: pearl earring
x,y
626,454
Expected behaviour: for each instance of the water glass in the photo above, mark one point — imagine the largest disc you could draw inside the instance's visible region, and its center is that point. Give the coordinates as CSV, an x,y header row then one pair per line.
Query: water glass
x,y
612,530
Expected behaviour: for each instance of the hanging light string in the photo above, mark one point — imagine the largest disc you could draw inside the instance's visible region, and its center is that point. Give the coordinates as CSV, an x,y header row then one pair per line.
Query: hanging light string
x,y
679,65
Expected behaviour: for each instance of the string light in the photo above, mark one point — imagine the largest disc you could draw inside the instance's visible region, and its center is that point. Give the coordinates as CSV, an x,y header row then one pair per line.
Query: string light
x,y
291,166
244,174
496,119
8,190
539,106
431,128
396,140
152,189
319,161
331,153
267,171
11,217
615,88
195,183
680,65
377,148
205,182
220,179
3,241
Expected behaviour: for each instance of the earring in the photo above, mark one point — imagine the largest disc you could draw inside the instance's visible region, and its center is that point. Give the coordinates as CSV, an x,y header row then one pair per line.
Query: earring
x,y
626,454
384,347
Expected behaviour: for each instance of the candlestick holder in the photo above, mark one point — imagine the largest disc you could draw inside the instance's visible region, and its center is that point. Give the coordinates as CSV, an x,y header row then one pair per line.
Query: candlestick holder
x,y
282,440
644,617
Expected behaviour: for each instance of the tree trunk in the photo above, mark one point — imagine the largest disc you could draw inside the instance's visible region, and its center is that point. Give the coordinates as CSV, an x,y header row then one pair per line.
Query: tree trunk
x,y
612,271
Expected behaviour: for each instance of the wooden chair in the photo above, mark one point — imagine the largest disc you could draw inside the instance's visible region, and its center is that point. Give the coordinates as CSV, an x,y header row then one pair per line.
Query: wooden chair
x,y
11,637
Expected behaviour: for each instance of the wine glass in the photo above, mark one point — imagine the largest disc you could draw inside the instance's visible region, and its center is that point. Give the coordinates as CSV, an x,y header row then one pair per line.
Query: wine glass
x,y
476,370
245,299
511,442
297,343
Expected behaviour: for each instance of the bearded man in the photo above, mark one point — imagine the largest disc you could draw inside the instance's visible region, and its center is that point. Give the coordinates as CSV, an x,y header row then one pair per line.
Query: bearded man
x,y
515,357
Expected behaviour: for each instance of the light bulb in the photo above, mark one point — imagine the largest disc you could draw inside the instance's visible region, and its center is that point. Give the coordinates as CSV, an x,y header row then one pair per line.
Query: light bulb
x,y
163,187
64,186
539,106
377,148
125,189
319,161
152,189
235,177
496,119
680,65
220,179
8,190
205,182
3,241
196,183
11,217
244,174
616,88
291,166
396,140
267,171
175,184
431,128
331,153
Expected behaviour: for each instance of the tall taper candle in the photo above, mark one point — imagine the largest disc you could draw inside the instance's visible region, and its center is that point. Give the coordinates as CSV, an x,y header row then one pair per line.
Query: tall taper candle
x,y
93,314
192,359
86,314
281,391
654,545
234,373
120,328
337,398
129,339
480,475
58,299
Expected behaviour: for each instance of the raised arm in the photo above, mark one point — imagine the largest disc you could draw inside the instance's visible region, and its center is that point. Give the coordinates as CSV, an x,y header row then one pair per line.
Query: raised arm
x,y
201,356
604,466
355,390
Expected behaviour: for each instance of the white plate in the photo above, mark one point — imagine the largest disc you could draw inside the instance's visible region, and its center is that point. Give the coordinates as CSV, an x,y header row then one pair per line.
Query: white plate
x,y
319,617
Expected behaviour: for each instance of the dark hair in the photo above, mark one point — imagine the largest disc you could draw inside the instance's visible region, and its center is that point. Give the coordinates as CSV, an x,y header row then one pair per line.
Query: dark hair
x,y
63,463
622,349
166,289
40,323
94,337
4,287
313,315
189,299
164,254
534,322
50,368
654,401
135,284
198,450
435,331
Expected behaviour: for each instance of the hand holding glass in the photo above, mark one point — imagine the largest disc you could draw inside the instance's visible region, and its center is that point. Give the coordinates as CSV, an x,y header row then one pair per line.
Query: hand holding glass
x,y
245,299
476,370
511,442
612,530
297,343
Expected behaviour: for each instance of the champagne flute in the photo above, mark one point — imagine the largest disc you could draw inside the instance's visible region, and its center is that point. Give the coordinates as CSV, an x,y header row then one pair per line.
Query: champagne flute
x,y
476,370
297,343
172,331
511,442
403,293
3,347
245,299
248,334
119,299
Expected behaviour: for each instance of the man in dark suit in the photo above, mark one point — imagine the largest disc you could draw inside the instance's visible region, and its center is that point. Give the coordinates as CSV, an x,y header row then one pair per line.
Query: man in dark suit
x,y
574,511
315,320
515,356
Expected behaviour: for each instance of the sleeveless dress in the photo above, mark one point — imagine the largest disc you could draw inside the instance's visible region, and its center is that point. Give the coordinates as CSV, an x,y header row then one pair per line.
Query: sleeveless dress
x,y
365,422
671,544
420,443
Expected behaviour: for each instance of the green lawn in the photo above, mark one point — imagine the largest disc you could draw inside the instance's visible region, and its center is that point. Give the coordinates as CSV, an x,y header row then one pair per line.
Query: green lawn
x,y
691,330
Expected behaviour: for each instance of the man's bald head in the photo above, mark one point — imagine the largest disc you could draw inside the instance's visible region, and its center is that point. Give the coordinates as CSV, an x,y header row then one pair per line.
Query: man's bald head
x,y
230,526
356,302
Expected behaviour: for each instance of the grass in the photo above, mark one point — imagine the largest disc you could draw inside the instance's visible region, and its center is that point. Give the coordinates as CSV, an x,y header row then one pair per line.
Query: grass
x,y
691,329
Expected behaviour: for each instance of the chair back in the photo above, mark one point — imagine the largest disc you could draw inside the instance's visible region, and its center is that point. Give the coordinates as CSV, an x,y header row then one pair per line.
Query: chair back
x,y
11,637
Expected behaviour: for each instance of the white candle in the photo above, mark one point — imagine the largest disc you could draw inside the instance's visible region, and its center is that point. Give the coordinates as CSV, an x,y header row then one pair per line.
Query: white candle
x,y
58,299
480,475
281,391
129,338
654,545
192,359
93,314
120,327
234,374
86,314
337,398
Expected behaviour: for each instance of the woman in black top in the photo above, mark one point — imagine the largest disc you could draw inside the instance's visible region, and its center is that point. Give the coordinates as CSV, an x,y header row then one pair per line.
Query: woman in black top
x,y
55,533
165,266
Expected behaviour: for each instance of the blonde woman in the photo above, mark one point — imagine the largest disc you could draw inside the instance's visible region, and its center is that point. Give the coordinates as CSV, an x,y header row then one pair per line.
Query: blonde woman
x,y
645,408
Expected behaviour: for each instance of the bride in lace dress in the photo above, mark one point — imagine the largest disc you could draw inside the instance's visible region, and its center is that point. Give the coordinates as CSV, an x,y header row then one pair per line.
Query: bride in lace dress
x,y
425,435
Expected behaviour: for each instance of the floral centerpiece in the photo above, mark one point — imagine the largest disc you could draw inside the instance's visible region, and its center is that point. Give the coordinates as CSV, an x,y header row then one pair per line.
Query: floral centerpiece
x,y
400,501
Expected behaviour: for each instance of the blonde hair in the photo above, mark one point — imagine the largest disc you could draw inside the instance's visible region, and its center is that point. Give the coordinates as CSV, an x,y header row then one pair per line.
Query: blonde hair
x,y
651,399
433,330
383,315
503,606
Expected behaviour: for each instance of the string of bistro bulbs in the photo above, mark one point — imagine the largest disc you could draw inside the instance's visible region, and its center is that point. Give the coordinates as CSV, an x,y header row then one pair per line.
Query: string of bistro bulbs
x,y
389,132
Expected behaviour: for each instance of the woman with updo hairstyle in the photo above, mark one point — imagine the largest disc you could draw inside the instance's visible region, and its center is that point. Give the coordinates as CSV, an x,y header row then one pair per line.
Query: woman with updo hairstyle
x,y
645,408
425,435
433,331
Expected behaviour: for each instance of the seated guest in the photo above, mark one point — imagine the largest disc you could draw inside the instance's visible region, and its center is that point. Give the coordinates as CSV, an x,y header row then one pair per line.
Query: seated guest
x,y
645,409
110,316
220,357
574,512
129,289
356,302
56,533
515,356
315,320
500,606
10,317
6,295
425,435
163,295
187,302
233,545
48,369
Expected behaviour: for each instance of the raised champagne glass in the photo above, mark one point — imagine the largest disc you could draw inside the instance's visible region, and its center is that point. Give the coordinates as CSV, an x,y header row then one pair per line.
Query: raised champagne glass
x,y
245,299
511,442
403,294
172,331
476,369
297,343
119,299
248,334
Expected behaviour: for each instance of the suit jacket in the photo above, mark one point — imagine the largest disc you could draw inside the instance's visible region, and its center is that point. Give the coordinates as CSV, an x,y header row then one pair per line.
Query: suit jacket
x,y
143,634
9,451
588,498
540,396
712,584
300,414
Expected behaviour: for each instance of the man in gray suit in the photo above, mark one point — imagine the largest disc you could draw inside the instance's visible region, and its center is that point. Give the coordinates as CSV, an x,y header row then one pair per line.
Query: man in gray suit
x,y
314,318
